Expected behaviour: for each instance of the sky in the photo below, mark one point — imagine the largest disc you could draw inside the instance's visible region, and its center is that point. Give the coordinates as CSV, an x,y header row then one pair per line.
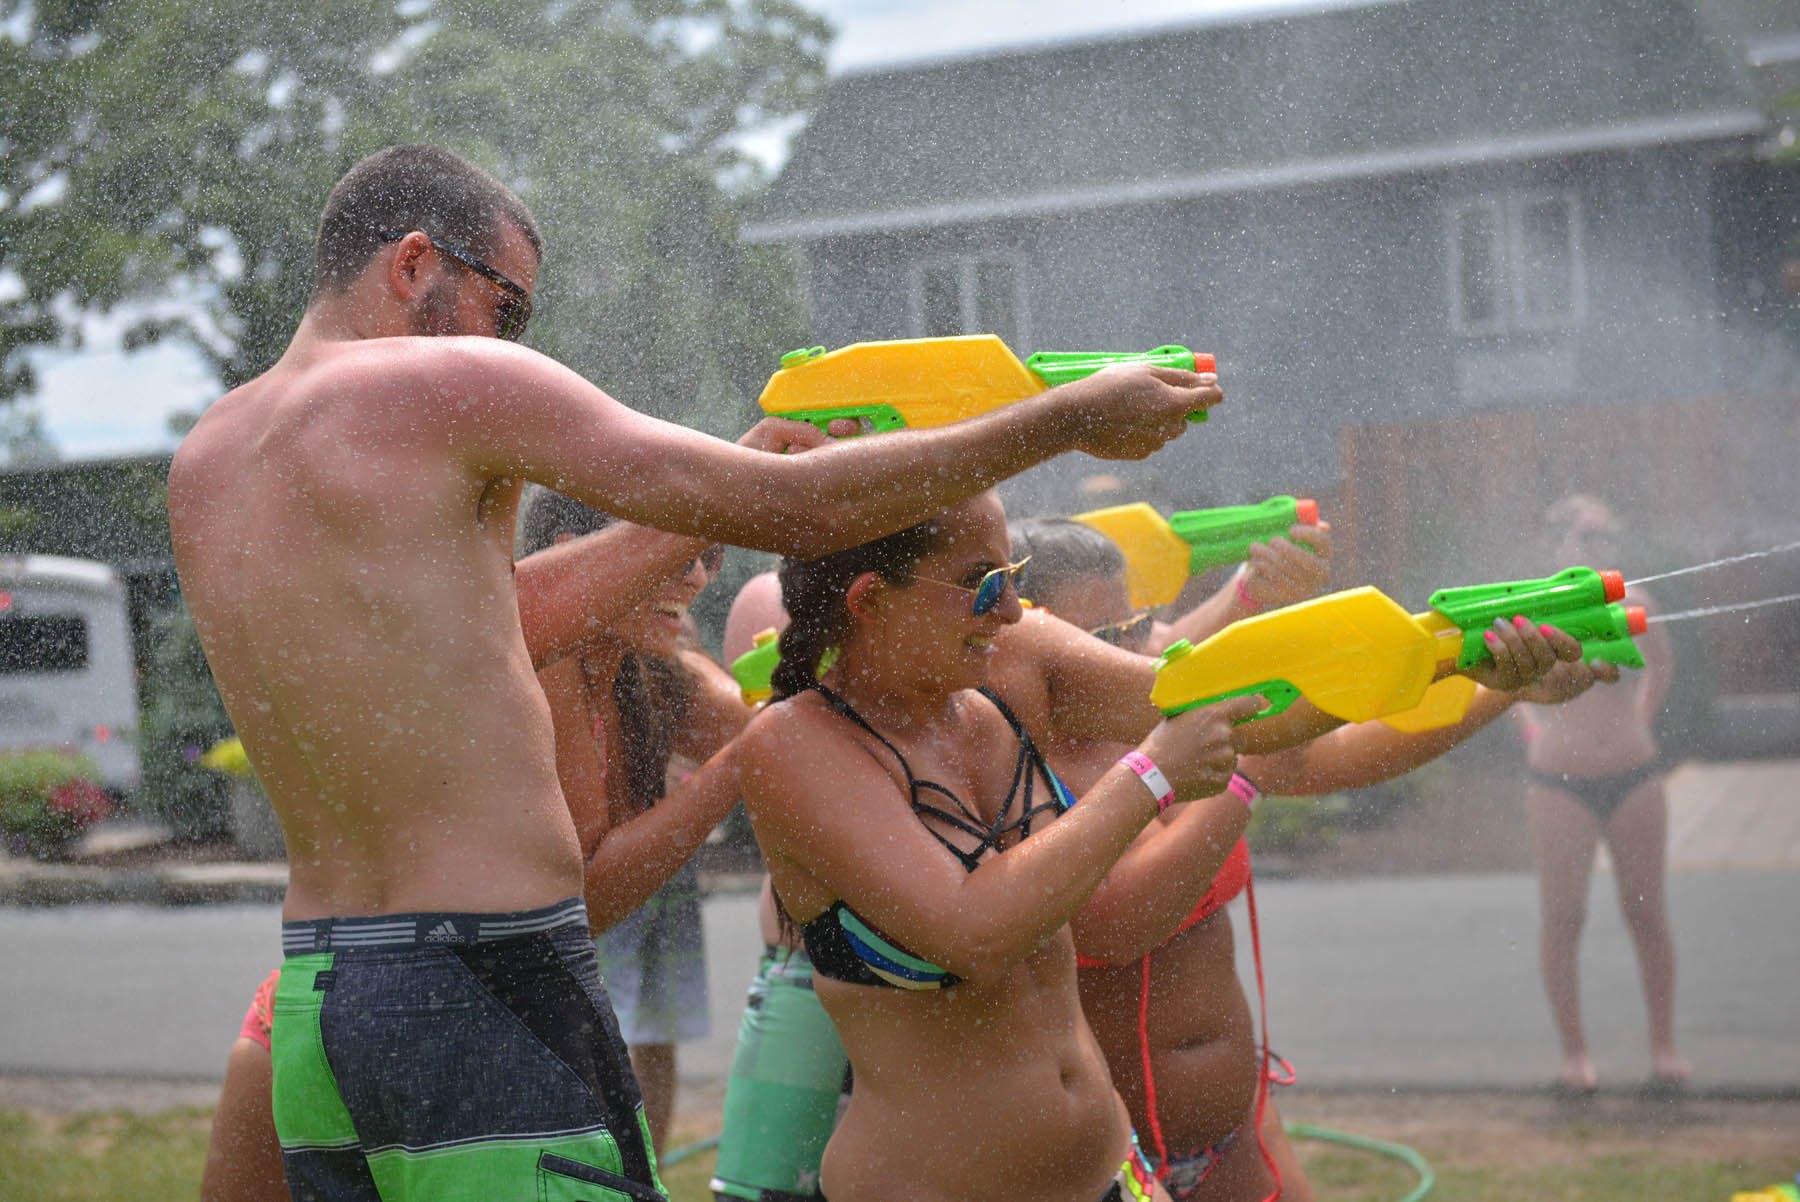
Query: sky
x,y
101,401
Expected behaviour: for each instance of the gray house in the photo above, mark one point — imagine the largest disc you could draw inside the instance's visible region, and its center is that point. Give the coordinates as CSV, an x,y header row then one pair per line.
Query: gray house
x,y
1371,214
1455,257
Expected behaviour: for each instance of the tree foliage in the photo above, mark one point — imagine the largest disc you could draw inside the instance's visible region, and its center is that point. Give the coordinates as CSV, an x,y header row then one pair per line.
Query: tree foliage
x,y
174,156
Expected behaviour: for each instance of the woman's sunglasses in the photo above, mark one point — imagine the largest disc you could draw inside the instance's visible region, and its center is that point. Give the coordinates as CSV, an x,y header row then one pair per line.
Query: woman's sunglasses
x,y
1132,632
512,313
989,589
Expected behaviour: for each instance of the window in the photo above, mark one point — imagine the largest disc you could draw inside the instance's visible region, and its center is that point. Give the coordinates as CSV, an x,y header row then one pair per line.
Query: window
x,y
1515,264
968,296
48,644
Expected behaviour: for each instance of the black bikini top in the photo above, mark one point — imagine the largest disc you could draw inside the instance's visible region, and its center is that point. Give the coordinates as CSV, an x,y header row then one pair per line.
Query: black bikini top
x,y
845,948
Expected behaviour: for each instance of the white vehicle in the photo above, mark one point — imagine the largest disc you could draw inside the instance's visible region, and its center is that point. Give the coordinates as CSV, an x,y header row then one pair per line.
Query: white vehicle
x,y
67,679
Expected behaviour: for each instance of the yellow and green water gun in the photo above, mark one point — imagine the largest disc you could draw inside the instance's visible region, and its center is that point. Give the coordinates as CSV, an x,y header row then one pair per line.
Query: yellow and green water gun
x,y
754,670
1161,553
934,381
1358,655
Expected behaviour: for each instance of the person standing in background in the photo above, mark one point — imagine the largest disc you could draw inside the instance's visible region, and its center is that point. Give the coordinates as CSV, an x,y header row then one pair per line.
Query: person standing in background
x,y
1595,773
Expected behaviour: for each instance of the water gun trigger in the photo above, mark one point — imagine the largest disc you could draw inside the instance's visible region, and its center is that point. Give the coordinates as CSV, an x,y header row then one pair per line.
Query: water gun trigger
x,y
869,419
1278,693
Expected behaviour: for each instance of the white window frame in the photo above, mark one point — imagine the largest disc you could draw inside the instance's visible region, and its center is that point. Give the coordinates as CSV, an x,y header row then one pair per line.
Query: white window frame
x,y
968,269
1507,257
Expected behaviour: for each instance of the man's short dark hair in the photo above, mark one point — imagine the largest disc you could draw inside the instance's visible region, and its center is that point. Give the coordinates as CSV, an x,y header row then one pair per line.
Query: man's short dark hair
x,y
1061,550
415,187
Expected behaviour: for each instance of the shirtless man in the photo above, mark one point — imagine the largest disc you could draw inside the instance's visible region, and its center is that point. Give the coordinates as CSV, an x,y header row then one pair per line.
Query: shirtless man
x,y
342,527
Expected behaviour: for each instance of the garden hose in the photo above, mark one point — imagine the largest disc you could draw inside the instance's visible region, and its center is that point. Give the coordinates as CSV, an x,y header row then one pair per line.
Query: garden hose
x,y
1400,1152
677,1155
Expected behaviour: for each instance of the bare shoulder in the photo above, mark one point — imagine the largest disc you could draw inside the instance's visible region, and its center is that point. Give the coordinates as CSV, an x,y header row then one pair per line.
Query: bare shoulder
x,y
788,728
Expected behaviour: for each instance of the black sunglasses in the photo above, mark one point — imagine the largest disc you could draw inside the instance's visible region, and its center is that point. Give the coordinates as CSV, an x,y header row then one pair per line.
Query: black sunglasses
x,y
513,312
1132,632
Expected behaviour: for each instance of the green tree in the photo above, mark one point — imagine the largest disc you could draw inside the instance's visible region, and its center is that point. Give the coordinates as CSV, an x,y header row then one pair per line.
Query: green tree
x,y
176,155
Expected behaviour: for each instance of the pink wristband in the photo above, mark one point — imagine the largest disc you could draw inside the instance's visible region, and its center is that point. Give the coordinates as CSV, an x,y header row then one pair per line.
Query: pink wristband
x,y
1243,594
1240,787
1152,776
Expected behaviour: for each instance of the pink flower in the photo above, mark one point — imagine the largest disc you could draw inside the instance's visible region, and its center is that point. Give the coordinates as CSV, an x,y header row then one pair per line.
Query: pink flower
x,y
81,802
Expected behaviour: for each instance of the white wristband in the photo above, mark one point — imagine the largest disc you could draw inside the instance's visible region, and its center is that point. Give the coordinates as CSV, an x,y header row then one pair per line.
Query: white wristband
x,y
1152,776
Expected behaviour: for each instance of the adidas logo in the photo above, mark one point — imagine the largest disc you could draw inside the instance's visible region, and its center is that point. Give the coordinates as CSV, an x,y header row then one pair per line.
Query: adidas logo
x,y
443,932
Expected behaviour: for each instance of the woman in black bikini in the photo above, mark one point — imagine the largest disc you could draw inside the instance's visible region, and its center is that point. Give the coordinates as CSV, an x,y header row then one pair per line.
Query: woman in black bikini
x,y
932,863
1595,773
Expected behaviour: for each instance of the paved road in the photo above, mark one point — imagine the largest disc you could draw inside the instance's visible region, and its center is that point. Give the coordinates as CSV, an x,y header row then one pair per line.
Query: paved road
x,y
1374,982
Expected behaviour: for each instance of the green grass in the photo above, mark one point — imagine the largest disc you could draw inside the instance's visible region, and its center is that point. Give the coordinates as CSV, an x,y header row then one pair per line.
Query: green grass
x,y
153,1158
1342,1174
78,1158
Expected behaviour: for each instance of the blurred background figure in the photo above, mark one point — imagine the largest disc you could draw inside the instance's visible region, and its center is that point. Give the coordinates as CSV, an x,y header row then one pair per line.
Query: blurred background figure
x,y
1595,772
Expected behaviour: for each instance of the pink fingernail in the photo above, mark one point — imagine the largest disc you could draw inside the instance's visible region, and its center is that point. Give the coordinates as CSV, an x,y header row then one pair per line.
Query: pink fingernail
x,y
1492,638
1546,629
1521,621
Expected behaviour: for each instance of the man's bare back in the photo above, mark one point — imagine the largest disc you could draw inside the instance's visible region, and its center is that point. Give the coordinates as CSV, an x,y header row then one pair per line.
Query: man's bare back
x,y
351,579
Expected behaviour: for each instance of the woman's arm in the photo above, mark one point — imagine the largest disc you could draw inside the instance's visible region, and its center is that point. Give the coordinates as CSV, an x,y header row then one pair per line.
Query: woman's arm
x,y
634,859
1090,689
628,862
569,594
1282,571
835,824
1156,883
716,710
1368,753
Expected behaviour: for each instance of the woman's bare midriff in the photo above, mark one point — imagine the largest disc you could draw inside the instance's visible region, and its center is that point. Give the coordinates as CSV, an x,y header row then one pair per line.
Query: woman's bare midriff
x,y
1049,1125
1600,733
1202,1042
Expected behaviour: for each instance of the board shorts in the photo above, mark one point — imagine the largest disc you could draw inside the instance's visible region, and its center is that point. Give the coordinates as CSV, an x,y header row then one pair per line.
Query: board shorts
x,y
454,1056
654,965
788,1077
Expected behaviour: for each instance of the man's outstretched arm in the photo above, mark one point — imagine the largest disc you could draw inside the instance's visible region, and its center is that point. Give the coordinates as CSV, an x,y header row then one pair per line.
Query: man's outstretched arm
x,y
512,412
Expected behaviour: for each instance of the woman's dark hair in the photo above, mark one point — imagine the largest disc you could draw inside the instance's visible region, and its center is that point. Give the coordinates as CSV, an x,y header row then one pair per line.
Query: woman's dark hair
x,y
813,591
653,696
406,188
1061,550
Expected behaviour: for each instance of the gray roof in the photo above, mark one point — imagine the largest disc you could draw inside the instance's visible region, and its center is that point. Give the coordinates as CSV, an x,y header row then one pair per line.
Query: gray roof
x,y
1350,91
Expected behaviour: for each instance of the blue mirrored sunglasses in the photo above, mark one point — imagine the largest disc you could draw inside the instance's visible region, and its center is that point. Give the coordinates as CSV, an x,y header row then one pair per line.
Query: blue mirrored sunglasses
x,y
990,589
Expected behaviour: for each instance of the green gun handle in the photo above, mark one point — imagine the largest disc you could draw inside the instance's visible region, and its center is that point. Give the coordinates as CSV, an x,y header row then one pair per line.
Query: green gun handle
x,y
880,418
1278,693
1622,651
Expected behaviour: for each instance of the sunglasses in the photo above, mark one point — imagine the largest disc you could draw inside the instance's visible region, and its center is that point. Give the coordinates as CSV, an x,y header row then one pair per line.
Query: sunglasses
x,y
989,589
1132,632
712,559
513,312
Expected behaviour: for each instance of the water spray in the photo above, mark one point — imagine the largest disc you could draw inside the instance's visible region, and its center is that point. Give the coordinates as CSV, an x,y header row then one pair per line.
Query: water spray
x,y
1716,563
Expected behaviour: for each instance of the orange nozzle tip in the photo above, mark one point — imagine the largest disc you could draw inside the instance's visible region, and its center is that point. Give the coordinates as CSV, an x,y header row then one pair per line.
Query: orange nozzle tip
x,y
1205,362
1614,582
1636,620
1306,512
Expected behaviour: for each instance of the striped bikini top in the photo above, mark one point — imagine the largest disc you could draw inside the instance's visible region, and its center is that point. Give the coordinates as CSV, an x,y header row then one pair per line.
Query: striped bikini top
x,y
845,948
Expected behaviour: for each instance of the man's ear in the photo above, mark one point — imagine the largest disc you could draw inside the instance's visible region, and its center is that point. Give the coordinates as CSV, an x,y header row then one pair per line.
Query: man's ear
x,y
406,270
863,596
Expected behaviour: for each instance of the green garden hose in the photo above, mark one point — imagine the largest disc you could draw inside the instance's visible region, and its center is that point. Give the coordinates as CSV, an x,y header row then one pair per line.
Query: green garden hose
x,y
1400,1152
